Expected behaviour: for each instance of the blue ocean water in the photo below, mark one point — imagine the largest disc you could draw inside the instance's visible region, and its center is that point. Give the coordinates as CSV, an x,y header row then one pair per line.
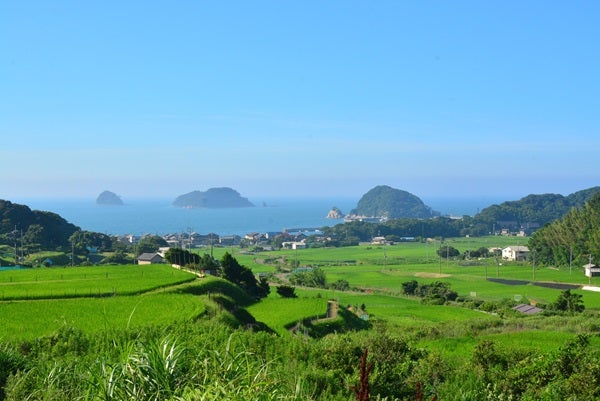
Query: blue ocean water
x,y
158,216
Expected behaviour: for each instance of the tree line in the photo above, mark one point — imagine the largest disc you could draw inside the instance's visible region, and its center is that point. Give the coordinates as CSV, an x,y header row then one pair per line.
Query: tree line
x,y
572,239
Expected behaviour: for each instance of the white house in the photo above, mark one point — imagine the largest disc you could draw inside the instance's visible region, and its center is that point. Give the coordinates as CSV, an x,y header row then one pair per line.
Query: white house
x,y
591,270
515,253
293,245
378,241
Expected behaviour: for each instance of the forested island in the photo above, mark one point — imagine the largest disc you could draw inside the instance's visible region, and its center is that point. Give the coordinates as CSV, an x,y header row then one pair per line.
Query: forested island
x,y
385,202
212,198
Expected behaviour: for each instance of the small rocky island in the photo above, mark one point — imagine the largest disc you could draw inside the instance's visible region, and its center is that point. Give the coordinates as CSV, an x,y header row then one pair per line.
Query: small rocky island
x,y
108,198
335,214
212,198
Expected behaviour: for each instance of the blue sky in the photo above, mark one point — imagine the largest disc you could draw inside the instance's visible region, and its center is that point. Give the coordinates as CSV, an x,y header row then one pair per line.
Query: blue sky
x,y
272,98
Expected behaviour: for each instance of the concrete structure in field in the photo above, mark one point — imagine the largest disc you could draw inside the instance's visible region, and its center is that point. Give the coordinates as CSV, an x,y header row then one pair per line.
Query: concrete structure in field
x,y
149,258
293,245
515,253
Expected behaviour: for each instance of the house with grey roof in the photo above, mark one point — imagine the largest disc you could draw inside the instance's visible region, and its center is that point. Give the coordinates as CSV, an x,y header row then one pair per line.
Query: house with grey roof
x,y
149,259
515,253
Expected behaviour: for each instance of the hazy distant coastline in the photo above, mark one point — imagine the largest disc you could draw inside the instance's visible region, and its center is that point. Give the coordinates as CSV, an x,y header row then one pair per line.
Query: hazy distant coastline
x,y
157,216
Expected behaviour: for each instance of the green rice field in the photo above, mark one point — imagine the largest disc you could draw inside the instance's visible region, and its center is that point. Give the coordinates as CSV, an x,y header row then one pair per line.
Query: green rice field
x,y
35,302
44,283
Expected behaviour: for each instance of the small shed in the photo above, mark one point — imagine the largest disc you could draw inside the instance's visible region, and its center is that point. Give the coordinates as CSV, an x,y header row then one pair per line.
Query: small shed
x,y
149,259
528,309
591,270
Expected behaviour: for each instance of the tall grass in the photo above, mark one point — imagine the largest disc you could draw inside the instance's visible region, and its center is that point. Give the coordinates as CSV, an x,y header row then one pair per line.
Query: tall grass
x,y
159,366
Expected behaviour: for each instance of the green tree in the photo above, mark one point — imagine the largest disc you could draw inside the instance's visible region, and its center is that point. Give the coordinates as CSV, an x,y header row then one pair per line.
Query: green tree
x,y
238,274
447,251
410,287
150,243
568,302
34,236
119,256
309,278
208,263
100,241
182,257
341,285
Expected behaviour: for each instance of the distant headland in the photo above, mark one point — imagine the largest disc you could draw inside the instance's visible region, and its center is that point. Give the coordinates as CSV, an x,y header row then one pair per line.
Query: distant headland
x,y
212,198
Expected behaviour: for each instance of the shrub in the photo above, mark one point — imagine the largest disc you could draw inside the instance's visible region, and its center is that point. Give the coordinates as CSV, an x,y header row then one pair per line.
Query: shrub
x,y
286,291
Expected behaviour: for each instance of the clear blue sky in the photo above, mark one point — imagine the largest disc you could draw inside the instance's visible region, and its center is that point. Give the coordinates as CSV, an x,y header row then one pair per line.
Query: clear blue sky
x,y
307,98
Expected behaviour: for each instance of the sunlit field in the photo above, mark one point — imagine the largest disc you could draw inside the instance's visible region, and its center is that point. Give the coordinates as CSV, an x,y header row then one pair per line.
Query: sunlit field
x,y
385,268
43,283
31,319
95,298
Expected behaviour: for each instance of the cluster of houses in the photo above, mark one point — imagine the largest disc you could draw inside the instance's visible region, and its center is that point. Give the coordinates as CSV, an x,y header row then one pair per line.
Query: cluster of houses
x,y
292,239
296,240
513,228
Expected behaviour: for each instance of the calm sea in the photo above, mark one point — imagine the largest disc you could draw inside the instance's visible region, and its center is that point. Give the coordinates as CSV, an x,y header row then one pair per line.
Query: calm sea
x,y
158,216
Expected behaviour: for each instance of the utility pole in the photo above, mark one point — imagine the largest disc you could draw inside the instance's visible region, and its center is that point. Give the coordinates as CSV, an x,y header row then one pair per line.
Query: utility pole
x,y
296,262
497,263
72,252
440,256
590,265
16,251
533,264
570,259
486,266
384,257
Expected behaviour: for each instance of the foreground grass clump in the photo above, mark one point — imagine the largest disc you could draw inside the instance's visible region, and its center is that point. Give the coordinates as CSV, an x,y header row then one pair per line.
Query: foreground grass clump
x,y
202,361
206,360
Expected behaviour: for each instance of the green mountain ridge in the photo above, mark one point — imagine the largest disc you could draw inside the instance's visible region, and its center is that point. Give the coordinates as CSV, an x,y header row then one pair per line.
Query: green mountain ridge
x,y
47,229
540,209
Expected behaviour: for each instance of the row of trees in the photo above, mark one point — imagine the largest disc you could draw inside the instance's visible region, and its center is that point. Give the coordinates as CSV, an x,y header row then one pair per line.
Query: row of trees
x,y
436,292
228,268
